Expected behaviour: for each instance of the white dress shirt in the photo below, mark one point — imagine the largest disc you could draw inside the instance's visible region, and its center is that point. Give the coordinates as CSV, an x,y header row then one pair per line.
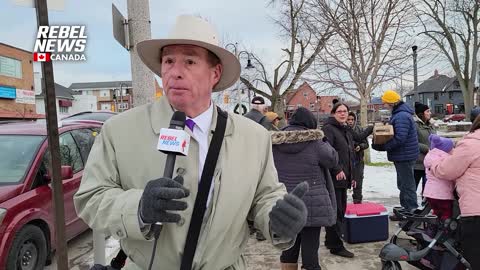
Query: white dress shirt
x,y
200,134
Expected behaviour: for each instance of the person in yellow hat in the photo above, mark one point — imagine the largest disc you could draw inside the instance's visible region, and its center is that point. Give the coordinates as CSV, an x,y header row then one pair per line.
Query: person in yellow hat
x,y
274,119
403,148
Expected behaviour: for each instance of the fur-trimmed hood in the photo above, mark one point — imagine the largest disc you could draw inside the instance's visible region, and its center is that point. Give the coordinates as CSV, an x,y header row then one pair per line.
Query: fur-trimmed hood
x,y
295,139
296,136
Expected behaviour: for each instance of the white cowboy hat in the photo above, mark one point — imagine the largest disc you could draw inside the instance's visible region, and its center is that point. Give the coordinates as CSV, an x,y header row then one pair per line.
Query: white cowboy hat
x,y
191,30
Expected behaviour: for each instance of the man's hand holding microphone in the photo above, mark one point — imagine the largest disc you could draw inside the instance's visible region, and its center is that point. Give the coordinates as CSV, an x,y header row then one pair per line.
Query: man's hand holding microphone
x,y
161,196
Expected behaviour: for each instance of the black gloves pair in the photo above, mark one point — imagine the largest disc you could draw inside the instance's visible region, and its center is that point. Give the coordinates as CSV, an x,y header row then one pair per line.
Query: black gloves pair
x,y
159,197
287,218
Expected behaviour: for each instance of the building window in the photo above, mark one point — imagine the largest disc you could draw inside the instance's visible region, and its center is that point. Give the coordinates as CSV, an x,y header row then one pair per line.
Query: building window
x,y
305,94
105,93
63,109
312,106
450,95
10,67
106,107
435,96
439,108
299,105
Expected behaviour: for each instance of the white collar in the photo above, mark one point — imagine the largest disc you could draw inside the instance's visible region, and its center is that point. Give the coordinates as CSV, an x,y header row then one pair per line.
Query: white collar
x,y
204,120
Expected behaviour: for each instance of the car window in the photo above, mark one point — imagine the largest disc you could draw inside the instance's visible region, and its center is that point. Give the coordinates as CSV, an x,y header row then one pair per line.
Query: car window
x,y
69,152
16,155
85,139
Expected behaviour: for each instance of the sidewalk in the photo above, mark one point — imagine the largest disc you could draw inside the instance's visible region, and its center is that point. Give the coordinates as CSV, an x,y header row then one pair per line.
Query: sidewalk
x,y
261,256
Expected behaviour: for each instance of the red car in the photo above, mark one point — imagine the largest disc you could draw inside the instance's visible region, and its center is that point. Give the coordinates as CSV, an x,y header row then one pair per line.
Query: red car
x,y
27,232
454,117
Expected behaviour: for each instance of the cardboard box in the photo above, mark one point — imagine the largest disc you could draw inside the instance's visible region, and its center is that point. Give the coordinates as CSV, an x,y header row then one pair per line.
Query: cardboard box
x,y
366,222
382,133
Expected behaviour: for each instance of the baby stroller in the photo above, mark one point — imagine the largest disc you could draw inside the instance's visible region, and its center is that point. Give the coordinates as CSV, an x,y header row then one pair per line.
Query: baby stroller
x,y
422,250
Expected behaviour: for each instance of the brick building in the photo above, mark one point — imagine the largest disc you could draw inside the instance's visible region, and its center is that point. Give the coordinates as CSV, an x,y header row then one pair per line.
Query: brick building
x,y
305,96
17,94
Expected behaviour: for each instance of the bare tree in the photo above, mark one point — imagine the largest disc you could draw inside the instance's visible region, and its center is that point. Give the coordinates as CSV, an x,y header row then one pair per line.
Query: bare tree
x,y
370,46
454,27
304,44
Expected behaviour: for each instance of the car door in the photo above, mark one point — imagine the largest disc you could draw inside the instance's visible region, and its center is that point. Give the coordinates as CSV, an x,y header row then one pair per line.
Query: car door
x,y
70,156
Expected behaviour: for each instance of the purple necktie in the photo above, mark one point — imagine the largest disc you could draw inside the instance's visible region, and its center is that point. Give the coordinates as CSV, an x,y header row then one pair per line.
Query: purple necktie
x,y
190,124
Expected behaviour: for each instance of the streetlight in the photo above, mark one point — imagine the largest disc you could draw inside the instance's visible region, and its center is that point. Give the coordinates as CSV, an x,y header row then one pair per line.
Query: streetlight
x,y
248,66
415,75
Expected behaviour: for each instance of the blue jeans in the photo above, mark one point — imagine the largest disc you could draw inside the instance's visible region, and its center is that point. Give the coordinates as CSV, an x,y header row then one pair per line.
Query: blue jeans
x,y
406,184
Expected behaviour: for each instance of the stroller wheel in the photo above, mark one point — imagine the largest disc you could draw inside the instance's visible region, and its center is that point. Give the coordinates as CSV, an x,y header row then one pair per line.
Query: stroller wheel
x,y
391,265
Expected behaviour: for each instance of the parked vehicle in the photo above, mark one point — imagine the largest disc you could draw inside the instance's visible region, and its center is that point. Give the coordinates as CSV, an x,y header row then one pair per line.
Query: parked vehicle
x,y
90,117
27,231
454,117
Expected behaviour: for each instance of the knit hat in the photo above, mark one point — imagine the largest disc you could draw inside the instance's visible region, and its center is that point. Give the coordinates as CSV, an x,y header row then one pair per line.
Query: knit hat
x,y
391,97
444,144
272,116
474,113
303,117
258,100
420,108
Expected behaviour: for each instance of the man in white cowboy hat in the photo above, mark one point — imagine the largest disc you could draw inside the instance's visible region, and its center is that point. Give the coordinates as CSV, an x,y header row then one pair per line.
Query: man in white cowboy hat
x,y
113,196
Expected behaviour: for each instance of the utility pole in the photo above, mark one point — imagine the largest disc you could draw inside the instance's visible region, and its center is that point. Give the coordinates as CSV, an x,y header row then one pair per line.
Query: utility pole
x,y
54,146
415,74
139,29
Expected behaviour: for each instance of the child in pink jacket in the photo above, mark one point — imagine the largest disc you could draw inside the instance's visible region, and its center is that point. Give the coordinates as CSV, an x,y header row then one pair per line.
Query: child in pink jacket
x,y
439,192
462,167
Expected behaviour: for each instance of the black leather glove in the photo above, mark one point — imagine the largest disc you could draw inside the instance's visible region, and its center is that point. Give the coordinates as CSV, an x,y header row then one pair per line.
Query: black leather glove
x,y
159,197
289,215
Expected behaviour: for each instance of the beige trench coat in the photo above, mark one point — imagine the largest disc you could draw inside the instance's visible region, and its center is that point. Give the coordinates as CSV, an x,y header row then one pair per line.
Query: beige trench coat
x,y
124,158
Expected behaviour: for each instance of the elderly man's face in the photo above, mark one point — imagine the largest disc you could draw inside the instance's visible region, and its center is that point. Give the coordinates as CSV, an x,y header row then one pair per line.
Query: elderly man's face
x,y
188,78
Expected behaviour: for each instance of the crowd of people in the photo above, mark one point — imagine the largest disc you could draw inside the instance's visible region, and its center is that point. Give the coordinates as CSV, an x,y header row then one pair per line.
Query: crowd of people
x,y
418,155
268,191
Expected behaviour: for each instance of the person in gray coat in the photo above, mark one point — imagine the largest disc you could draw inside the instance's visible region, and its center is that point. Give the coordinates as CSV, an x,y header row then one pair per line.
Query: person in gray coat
x,y
300,154
257,113
425,128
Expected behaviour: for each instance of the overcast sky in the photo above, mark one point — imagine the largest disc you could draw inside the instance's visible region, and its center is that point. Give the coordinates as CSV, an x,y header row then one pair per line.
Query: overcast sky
x,y
248,22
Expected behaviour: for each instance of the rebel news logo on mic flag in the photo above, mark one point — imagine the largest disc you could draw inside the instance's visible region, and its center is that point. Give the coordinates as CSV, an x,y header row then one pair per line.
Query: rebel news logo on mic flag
x,y
41,57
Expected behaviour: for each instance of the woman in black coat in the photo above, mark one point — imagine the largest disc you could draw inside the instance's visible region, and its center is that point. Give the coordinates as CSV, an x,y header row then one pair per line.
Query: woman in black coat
x,y
301,155
339,135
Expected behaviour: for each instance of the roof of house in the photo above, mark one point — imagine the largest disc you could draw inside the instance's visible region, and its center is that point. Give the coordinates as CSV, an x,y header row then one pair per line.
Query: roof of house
x,y
60,91
292,93
99,85
436,83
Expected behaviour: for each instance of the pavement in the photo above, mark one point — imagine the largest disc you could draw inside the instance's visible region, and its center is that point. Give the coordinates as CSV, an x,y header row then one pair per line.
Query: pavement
x,y
259,255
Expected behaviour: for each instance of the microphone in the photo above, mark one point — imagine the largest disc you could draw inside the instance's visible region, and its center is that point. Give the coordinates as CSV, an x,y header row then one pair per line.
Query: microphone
x,y
173,141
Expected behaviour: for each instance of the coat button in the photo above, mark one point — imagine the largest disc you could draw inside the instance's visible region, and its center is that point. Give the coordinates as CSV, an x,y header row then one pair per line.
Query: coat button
x,y
181,171
119,233
181,221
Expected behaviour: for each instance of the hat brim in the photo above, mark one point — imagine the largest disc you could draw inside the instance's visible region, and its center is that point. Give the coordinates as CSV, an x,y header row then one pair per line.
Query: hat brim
x,y
149,53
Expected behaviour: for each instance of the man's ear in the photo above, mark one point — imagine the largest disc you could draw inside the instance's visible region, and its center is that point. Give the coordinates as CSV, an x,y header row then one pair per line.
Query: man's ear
x,y
217,73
